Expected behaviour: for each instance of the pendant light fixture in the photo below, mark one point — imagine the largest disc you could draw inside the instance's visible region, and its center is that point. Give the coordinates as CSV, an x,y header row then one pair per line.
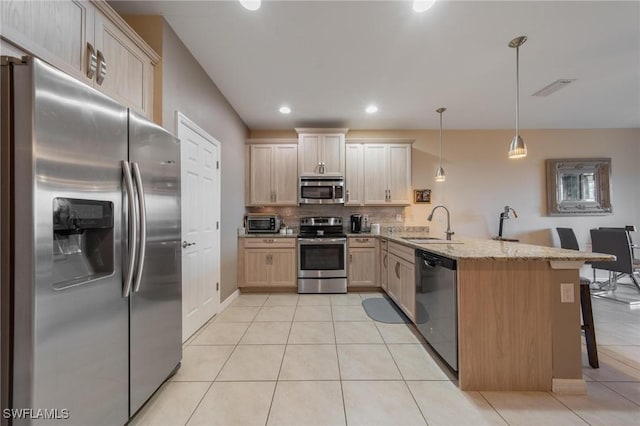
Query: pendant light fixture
x,y
517,149
440,176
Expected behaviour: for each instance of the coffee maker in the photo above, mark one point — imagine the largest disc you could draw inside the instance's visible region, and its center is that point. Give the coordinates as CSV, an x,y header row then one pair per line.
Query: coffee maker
x,y
356,223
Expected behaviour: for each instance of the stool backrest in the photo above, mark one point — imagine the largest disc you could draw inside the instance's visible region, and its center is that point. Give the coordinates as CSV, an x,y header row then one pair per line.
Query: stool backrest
x,y
612,241
568,238
628,229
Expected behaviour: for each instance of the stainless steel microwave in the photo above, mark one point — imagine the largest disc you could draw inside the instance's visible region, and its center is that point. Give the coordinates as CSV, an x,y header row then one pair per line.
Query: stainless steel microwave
x,y
263,223
321,190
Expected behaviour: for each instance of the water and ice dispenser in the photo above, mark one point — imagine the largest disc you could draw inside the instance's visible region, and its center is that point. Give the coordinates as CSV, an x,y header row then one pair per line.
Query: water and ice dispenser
x,y
83,241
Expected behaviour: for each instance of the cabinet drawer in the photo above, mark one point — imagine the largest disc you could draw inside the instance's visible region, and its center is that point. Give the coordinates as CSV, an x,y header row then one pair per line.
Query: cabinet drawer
x,y
362,242
267,242
403,252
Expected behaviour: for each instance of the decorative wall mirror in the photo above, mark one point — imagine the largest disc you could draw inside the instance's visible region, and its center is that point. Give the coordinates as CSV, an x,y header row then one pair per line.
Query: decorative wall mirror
x,y
579,186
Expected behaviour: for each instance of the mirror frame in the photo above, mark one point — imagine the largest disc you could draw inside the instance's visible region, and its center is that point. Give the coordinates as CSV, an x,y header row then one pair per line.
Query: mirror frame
x,y
602,204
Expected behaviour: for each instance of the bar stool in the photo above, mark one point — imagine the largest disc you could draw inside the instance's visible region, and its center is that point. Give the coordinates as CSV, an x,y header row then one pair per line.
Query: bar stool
x,y
569,241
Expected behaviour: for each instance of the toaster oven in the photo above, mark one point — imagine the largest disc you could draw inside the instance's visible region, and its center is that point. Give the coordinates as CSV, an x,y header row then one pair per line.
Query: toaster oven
x,y
263,223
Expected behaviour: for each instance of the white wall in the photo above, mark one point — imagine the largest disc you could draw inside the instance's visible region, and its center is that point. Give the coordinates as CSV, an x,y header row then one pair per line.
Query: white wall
x,y
187,88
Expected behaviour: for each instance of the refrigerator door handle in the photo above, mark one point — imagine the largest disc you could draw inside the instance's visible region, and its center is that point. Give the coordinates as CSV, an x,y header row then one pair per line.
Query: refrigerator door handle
x,y
133,229
142,243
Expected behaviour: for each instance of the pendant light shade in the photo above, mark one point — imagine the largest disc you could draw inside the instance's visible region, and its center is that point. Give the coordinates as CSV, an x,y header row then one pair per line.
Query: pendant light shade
x,y
440,176
517,149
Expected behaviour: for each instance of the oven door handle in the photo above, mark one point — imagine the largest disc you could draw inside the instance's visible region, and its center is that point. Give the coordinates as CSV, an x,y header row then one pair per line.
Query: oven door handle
x,y
322,240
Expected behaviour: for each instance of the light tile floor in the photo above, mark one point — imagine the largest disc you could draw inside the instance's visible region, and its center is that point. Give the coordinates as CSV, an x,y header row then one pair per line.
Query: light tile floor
x,y
285,359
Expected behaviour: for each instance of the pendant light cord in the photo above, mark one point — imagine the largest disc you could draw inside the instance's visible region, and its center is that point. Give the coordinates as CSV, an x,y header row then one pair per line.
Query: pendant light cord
x,y
441,139
517,90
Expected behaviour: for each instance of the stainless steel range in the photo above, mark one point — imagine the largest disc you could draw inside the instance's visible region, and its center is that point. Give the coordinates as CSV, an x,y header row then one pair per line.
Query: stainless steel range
x,y
322,255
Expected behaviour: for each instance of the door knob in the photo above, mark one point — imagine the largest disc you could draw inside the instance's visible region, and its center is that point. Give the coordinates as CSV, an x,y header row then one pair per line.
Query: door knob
x,y
186,244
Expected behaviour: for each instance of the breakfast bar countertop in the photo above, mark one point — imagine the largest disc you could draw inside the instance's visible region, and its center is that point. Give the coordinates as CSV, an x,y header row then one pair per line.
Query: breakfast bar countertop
x,y
479,249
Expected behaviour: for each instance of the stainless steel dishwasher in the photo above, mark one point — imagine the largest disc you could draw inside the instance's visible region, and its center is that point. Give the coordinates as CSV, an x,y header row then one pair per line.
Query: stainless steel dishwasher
x,y
437,304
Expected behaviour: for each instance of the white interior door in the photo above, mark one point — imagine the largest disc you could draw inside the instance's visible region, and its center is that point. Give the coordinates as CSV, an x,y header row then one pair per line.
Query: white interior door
x,y
200,169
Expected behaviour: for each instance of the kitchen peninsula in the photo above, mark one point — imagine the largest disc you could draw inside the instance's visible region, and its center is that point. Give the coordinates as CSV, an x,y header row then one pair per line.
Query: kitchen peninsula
x,y
516,330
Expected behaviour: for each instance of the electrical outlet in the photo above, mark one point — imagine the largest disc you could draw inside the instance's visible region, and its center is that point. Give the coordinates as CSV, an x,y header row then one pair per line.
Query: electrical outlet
x,y
398,217
566,293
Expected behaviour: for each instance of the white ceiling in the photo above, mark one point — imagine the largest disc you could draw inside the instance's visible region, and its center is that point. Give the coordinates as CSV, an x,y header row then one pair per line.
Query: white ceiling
x,y
328,60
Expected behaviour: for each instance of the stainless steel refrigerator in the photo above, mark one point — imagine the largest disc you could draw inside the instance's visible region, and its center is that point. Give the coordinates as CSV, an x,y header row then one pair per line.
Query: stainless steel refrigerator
x,y
91,269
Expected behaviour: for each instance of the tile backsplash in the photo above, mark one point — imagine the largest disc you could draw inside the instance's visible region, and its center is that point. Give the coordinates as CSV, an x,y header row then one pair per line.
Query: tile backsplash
x,y
387,217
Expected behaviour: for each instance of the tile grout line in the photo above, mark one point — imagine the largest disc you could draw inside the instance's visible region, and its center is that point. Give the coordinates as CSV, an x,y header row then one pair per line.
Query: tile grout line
x,y
613,390
404,380
490,404
198,404
221,368
615,358
567,407
284,353
335,340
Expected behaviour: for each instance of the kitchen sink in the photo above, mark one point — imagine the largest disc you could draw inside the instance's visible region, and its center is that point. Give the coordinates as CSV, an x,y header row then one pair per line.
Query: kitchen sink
x,y
430,240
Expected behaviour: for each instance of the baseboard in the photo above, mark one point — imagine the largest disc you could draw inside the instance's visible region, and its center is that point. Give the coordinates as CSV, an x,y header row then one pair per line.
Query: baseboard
x,y
228,301
569,386
291,289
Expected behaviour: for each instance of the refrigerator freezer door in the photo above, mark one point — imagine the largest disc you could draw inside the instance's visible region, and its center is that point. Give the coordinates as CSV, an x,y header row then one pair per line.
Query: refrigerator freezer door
x,y
71,324
156,306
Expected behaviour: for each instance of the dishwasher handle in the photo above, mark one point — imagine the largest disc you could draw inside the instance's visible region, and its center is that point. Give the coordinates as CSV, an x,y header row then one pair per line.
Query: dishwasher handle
x,y
432,263
432,260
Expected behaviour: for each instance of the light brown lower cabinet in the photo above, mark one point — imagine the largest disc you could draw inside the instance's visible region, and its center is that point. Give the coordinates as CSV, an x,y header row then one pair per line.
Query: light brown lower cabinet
x,y
384,264
362,269
267,262
401,278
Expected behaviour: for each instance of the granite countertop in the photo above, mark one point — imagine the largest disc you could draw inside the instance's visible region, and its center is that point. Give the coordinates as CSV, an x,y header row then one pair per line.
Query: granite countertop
x,y
479,249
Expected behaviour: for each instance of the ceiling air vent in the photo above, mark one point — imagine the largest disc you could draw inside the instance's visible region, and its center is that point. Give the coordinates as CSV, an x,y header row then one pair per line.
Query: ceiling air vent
x,y
554,87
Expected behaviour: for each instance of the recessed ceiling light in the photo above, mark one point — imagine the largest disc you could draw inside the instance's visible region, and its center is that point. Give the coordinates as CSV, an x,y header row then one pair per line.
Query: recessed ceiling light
x,y
371,109
422,5
250,4
285,110
554,87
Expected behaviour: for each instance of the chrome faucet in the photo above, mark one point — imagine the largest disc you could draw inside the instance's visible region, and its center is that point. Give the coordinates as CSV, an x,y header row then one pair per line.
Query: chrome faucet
x,y
449,232
505,215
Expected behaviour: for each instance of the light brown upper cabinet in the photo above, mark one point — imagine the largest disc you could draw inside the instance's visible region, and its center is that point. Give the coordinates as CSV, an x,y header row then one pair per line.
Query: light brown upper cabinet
x,y
321,152
273,175
387,173
354,175
378,174
87,40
